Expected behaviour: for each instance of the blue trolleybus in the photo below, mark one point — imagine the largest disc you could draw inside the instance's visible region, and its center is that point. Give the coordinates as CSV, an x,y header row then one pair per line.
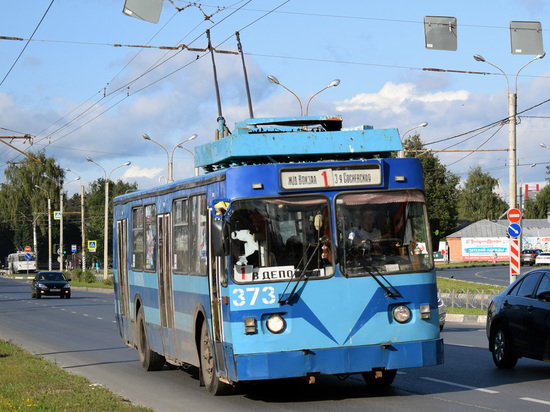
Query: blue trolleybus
x,y
303,250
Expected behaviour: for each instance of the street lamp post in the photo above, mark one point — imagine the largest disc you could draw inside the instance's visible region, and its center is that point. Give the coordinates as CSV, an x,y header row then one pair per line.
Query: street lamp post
x,y
106,224
170,159
512,111
274,80
521,204
61,246
333,83
401,153
49,228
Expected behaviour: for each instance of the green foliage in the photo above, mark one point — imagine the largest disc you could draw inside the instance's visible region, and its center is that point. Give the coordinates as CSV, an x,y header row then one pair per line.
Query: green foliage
x,y
82,276
440,185
538,209
477,200
22,203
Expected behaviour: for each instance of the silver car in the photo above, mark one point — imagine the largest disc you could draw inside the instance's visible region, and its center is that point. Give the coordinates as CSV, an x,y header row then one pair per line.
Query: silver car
x,y
442,313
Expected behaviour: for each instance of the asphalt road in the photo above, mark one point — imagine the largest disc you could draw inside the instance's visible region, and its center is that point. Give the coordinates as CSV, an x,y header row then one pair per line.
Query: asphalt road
x,y
80,335
493,275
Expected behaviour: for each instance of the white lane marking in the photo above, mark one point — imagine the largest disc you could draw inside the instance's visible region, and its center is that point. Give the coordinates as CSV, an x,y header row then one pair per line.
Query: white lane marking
x,y
536,401
460,385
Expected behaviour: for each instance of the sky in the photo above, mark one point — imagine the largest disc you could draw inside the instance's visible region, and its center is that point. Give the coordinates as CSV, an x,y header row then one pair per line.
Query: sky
x,y
80,91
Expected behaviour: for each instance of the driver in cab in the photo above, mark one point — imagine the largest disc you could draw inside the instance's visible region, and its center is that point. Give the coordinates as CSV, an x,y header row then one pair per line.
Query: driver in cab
x,y
364,233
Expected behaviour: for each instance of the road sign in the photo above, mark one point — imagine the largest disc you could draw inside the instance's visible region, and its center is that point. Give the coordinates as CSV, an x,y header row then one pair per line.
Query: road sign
x,y
27,249
92,245
514,259
57,215
514,230
73,248
514,215
28,256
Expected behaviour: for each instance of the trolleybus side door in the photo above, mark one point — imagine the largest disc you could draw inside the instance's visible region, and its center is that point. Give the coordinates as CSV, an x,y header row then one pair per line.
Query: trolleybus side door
x,y
166,290
123,287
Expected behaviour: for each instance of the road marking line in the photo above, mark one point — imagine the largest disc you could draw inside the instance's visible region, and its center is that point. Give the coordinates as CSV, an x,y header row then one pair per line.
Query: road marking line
x,y
535,400
461,386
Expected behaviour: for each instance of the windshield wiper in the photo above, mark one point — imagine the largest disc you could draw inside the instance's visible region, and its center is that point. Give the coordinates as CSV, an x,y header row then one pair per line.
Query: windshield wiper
x,y
302,274
389,293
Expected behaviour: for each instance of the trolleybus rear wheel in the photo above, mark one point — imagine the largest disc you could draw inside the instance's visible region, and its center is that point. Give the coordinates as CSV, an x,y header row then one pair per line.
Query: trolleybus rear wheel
x,y
149,359
208,365
386,379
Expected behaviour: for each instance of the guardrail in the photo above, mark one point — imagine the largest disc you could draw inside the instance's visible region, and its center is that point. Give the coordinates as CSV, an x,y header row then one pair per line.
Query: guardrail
x,y
466,298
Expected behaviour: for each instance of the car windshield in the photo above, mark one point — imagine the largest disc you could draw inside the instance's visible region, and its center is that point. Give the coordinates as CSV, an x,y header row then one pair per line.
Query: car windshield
x,y
280,239
382,232
51,276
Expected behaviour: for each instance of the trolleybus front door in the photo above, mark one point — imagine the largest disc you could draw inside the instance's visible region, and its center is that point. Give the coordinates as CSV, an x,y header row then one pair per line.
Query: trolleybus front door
x,y
166,292
123,288
215,272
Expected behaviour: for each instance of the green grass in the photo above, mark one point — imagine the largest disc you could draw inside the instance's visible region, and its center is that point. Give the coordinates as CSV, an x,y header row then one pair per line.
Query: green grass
x,y
444,284
28,382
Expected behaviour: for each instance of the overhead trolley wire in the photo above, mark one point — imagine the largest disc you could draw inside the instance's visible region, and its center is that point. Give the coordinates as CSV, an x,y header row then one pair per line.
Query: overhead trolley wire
x,y
26,44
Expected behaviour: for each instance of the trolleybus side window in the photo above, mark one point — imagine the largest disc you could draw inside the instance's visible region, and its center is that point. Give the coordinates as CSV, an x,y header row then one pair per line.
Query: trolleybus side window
x,y
197,238
280,239
180,262
382,232
137,238
150,237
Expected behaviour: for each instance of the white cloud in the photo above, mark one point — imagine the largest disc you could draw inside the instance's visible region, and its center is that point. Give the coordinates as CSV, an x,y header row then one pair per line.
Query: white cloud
x,y
397,98
134,172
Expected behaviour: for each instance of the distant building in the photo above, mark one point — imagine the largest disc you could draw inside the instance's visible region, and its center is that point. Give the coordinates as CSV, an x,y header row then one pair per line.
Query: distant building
x,y
481,240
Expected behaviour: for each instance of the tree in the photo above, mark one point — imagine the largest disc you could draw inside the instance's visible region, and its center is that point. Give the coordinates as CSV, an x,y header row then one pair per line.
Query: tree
x,y
477,200
23,205
440,185
539,208
94,204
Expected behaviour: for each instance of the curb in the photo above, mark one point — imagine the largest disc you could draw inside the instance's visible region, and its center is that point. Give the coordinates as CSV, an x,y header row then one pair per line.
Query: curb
x,y
466,318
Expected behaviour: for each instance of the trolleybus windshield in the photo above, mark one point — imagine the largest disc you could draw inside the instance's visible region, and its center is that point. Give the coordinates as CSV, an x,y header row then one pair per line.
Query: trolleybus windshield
x,y
382,232
279,239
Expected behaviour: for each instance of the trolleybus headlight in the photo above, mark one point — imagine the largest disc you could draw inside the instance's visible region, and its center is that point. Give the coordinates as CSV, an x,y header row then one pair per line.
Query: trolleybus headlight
x,y
401,313
275,323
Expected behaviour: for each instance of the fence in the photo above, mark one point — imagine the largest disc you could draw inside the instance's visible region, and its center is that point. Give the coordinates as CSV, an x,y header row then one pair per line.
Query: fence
x,y
469,298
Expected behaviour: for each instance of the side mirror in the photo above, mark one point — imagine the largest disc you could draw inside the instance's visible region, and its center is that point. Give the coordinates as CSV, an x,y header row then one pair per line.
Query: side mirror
x,y
434,232
218,238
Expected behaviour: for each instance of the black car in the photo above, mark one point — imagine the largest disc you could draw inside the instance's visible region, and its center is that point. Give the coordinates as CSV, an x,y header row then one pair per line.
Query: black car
x,y
517,320
50,284
528,256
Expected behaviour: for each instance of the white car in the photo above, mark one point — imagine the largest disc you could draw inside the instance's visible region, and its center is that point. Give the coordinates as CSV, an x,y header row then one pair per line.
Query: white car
x,y
542,259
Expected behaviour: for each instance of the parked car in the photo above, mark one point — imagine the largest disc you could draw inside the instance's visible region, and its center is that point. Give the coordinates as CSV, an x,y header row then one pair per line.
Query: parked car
x,y
442,313
542,259
50,283
528,256
517,320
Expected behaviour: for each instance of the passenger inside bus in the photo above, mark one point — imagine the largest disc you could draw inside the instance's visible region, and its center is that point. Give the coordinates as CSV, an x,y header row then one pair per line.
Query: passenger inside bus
x,y
293,252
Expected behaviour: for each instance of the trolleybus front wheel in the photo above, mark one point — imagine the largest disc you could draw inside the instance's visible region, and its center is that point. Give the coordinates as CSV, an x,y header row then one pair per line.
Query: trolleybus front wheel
x,y
208,365
380,377
149,359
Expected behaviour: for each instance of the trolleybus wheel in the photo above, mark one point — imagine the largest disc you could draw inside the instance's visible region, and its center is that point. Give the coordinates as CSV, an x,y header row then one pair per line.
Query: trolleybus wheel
x,y
208,365
503,356
149,359
386,379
